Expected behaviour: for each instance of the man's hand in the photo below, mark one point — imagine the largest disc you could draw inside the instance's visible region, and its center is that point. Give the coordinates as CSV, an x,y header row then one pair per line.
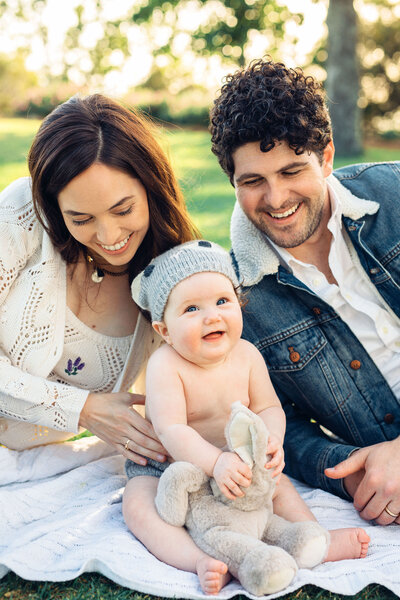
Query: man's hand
x,y
230,472
275,451
372,476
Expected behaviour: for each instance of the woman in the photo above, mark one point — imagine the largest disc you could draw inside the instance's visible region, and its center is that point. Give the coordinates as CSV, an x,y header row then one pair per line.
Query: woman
x,y
101,203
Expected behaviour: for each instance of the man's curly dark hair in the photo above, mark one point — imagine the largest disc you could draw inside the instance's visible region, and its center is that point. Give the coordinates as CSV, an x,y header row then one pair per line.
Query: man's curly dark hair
x,y
268,102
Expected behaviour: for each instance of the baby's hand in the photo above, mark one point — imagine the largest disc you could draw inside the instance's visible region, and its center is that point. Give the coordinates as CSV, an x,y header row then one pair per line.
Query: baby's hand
x,y
230,472
275,451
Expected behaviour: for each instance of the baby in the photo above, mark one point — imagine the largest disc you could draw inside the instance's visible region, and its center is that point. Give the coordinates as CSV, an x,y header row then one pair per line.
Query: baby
x,y
191,293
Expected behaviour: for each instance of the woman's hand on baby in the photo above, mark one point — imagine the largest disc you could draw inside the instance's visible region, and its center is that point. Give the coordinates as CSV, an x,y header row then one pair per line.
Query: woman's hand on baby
x,y
275,451
112,418
230,472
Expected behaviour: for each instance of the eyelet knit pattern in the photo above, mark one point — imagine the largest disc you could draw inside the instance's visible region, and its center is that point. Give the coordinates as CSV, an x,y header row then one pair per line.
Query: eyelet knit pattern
x,y
33,408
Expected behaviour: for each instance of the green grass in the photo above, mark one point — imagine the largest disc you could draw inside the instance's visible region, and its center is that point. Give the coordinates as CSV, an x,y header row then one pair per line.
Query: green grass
x,y
92,586
15,138
210,198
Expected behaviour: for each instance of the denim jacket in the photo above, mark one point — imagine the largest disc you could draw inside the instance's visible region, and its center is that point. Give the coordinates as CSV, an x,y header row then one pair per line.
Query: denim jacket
x,y
321,372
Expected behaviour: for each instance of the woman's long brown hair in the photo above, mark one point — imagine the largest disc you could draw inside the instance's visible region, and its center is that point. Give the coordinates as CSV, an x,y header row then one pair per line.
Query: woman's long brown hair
x,y
96,129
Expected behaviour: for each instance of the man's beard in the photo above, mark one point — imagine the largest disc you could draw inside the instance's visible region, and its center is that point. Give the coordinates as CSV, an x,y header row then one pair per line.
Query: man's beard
x,y
283,237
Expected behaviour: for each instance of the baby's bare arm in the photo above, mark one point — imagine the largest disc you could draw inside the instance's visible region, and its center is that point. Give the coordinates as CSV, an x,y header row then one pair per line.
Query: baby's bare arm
x,y
166,408
265,402
263,398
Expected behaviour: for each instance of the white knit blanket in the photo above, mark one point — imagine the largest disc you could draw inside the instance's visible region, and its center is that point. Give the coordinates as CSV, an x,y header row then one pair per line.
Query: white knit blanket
x,y
60,515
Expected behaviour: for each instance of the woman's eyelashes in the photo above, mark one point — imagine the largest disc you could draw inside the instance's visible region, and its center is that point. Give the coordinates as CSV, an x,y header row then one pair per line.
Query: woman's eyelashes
x,y
121,213
127,211
81,222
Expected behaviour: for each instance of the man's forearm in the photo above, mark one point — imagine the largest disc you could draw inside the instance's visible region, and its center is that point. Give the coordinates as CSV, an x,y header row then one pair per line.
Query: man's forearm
x,y
308,452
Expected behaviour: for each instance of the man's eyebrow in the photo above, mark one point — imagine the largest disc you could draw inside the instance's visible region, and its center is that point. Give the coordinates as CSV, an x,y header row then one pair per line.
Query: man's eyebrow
x,y
292,165
74,213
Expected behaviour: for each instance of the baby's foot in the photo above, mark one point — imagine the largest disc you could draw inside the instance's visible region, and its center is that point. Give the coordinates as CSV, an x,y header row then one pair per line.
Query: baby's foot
x,y
213,574
347,543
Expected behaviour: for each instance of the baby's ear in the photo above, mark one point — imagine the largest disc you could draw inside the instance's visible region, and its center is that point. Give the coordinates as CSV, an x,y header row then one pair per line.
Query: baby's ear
x,y
161,328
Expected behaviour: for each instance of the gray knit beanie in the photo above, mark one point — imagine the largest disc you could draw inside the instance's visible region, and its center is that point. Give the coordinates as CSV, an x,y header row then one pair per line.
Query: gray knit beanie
x,y
167,270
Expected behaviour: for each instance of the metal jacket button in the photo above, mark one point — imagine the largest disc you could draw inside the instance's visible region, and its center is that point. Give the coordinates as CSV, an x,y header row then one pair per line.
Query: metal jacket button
x,y
389,418
355,364
294,356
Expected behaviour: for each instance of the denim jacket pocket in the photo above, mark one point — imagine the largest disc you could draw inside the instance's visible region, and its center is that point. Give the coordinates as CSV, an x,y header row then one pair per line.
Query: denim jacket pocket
x,y
301,366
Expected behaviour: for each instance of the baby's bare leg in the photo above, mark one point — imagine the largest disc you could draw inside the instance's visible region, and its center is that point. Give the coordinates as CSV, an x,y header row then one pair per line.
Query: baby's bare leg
x,y
170,544
289,504
351,542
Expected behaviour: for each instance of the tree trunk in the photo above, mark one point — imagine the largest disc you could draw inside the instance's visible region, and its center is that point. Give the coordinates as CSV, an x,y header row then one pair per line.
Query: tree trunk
x,y
343,78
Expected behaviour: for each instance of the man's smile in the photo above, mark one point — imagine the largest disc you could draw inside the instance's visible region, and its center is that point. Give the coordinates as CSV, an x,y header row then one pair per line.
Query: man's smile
x,y
287,213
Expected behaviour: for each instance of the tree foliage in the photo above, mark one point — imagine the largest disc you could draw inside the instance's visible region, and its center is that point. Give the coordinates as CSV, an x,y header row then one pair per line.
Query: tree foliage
x,y
15,80
379,52
222,28
222,32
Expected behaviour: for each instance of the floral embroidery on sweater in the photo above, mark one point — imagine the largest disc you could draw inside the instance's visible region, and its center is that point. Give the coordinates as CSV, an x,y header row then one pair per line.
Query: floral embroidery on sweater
x,y
74,367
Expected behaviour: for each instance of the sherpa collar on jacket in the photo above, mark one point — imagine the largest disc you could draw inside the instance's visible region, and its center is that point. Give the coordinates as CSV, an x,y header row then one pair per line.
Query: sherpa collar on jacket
x,y
255,256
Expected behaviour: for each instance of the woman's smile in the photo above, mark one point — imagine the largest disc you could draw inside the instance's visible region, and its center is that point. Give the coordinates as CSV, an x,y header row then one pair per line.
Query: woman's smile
x,y
118,248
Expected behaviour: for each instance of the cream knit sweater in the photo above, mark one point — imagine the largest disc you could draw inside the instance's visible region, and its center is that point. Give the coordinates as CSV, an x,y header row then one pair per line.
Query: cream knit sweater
x,y
34,410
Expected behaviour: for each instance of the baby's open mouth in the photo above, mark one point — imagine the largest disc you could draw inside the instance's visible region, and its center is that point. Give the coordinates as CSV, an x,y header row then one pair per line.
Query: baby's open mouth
x,y
214,335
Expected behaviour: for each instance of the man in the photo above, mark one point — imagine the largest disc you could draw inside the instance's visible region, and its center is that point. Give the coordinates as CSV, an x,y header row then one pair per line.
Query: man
x,y
319,256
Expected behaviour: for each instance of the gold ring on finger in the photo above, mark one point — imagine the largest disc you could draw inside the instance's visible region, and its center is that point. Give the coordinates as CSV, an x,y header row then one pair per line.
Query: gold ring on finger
x,y
389,512
127,444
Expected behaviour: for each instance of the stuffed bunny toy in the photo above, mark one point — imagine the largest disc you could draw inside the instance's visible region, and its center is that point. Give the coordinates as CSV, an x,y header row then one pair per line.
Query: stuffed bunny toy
x,y
263,551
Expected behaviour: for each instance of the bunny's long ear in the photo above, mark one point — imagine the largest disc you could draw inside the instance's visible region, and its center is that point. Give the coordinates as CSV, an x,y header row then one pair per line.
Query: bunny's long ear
x,y
247,435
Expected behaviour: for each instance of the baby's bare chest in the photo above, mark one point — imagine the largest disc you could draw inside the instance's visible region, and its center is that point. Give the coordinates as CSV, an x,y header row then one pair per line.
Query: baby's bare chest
x,y
209,401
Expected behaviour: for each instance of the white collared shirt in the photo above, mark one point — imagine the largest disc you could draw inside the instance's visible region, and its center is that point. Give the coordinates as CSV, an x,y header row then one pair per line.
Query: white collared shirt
x,y
354,297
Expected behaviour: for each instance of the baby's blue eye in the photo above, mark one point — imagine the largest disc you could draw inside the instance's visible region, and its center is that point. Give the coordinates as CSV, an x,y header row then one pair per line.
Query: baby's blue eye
x,y
191,309
221,301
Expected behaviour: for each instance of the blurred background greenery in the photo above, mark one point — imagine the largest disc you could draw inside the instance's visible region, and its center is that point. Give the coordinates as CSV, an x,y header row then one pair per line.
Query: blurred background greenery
x,y
169,57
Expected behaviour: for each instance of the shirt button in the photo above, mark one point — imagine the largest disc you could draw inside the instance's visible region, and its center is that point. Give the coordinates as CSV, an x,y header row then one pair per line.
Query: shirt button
x,y
385,330
3,425
316,282
389,418
355,364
